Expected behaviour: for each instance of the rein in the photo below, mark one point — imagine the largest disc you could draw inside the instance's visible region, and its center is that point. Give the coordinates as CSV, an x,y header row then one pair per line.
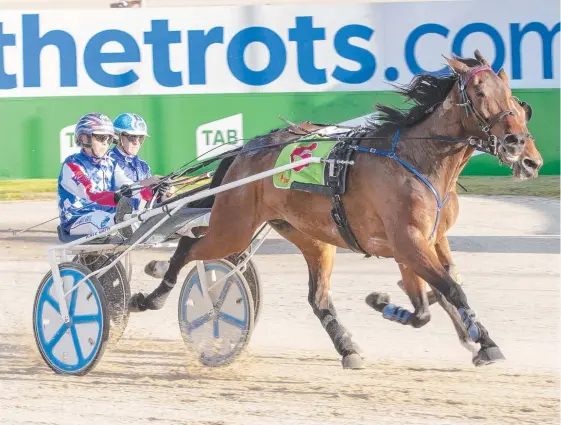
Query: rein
x,y
487,145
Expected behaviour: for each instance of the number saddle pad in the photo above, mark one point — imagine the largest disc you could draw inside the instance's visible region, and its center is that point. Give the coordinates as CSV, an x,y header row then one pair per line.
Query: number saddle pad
x,y
324,178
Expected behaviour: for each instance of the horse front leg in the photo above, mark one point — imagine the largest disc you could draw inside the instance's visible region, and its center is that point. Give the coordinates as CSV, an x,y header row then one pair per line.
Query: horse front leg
x,y
442,250
414,287
412,249
444,253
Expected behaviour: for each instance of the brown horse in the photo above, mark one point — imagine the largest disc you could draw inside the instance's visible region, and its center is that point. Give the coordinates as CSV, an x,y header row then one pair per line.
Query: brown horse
x,y
391,210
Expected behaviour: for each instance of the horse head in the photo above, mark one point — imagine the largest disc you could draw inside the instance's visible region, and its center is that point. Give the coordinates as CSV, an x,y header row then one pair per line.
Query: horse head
x,y
492,111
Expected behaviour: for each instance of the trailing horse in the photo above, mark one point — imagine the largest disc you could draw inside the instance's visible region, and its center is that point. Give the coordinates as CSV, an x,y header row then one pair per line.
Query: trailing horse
x,y
398,199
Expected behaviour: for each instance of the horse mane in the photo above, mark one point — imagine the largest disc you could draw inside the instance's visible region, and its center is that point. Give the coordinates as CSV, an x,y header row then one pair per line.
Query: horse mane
x,y
425,91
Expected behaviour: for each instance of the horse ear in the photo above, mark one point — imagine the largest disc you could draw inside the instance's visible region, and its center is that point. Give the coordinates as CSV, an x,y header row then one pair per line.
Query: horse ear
x,y
528,110
457,66
480,58
502,75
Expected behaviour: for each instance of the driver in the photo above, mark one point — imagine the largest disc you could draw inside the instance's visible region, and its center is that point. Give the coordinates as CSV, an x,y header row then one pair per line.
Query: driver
x,y
131,131
87,192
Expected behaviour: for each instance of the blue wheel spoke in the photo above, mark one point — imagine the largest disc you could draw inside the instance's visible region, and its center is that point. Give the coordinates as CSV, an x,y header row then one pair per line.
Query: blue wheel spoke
x,y
197,323
232,320
52,302
56,337
224,292
88,318
215,330
72,305
76,344
198,285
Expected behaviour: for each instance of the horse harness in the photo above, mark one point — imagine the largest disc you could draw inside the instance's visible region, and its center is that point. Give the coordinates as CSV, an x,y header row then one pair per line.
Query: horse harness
x,y
342,156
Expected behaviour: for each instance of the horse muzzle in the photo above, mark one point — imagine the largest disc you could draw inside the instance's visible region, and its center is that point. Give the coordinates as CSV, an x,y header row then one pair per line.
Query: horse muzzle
x,y
511,147
527,168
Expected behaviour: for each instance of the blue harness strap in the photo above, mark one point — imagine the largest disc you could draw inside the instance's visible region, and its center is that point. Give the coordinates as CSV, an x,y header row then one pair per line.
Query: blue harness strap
x,y
391,154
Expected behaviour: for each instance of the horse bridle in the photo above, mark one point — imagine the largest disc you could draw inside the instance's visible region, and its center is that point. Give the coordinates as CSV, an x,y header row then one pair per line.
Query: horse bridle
x,y
491,143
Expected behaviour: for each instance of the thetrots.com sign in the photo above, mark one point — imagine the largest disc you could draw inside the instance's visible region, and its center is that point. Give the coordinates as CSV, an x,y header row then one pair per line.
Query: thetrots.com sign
x,y
192,73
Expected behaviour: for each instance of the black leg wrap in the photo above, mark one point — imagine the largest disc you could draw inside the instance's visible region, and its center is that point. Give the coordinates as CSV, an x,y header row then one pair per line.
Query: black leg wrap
x,y
457,296
157,299
341,339
334,313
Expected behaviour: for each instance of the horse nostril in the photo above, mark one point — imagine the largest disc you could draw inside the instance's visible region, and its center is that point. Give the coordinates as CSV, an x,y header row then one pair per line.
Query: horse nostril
x,y
530,164
513,139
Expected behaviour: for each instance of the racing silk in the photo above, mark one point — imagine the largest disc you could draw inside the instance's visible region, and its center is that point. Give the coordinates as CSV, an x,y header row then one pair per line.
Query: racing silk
x,y
130,169
85,185
133,168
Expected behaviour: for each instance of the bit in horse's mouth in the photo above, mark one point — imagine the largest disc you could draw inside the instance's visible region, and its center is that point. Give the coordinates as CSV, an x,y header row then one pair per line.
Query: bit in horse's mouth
x,y
507,158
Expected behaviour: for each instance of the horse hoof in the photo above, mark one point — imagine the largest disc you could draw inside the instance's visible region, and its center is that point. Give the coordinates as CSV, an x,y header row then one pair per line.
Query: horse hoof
x,y
137,303
352,361
156,269
487,356
377,300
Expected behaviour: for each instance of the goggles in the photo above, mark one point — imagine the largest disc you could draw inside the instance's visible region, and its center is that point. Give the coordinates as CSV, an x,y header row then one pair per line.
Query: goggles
x,y
103,138
134,137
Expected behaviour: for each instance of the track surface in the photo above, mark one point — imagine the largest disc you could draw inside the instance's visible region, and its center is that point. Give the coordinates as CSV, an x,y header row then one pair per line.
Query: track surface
x,y
507,250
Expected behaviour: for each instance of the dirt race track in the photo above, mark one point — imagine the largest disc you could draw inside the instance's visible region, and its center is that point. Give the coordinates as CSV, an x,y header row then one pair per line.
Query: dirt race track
x,y
507,250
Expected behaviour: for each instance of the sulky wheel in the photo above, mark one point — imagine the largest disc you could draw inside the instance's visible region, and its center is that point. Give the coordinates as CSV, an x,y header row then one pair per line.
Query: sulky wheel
x,y
117,290
253,280
217,324
72,348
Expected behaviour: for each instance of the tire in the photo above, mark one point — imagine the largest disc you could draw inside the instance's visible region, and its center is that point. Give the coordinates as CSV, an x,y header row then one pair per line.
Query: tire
x,y
79,345
218,333
116,286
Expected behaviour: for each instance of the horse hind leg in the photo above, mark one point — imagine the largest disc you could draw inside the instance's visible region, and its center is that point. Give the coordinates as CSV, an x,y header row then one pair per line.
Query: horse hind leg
x,y
169,270
319,257
221,240
414,287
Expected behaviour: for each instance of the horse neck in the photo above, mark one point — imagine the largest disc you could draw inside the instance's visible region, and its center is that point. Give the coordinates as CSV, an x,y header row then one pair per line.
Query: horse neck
x,y
441,162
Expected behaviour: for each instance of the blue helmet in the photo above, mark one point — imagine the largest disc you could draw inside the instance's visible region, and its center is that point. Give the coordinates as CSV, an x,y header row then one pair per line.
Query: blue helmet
x,y
93,123
130,123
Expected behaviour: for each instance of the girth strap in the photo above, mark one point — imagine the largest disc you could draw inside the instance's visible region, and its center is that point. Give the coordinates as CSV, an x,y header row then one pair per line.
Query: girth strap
x,y
340,219
338,211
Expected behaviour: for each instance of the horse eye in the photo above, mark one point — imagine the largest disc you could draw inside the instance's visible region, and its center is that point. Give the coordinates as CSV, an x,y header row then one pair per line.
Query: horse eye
x,y
479,94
